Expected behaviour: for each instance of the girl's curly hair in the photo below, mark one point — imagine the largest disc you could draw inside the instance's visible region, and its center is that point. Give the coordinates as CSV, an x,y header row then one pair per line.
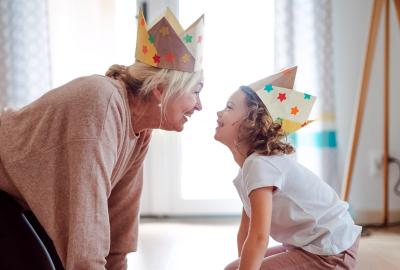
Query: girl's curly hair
x,y
259,131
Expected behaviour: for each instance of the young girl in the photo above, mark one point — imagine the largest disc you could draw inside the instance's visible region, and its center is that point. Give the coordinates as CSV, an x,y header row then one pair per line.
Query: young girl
x,y
281,198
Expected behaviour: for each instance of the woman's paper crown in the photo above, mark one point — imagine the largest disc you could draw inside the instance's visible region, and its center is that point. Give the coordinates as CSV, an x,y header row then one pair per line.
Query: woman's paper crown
x,y
165,44
290,107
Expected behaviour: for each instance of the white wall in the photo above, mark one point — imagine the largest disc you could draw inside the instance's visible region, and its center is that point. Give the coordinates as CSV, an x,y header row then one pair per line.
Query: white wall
x,y
351,21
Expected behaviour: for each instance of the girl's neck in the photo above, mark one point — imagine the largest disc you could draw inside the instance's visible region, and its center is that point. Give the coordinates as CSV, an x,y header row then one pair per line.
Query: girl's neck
x,y
239,154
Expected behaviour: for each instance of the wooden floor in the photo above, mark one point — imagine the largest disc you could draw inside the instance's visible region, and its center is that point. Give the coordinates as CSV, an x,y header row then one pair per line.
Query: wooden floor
x,y
210,243
380,250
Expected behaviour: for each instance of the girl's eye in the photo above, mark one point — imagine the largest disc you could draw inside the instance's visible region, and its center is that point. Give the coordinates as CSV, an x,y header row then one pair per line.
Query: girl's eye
x,y
228,107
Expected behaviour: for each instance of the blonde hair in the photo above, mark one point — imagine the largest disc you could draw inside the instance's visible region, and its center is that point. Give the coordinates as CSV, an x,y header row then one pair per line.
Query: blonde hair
x,y
141,79
259,131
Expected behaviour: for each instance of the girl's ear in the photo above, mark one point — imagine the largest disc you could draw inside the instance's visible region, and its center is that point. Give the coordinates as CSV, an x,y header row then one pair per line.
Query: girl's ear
x,y
158,92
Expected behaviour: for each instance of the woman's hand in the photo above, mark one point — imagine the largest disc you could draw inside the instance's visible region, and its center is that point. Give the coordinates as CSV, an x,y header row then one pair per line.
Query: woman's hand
x,y
256,242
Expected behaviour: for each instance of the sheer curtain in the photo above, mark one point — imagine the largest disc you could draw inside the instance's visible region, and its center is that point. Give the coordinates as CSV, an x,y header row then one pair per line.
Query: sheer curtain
x,y
89,36
304,38
24,51
189,173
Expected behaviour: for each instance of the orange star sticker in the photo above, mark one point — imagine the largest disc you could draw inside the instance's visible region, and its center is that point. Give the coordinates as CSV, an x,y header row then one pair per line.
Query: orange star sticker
x,y
144,49
170,57
185,58
282,97
294,110
164,31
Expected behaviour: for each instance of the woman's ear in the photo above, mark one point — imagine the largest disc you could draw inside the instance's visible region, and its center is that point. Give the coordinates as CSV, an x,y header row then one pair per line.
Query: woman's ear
x,y
158,92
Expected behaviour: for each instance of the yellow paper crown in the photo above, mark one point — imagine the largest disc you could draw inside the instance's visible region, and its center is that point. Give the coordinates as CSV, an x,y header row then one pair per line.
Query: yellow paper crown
x,y
166,45
290,107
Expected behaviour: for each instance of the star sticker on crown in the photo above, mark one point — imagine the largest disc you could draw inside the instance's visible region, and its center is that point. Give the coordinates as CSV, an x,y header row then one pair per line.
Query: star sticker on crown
x,y
165,44
281,97
164,31
170,57
289,107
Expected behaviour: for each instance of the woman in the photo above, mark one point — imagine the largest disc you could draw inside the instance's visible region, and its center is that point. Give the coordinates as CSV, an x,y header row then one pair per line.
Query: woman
x,y
74,157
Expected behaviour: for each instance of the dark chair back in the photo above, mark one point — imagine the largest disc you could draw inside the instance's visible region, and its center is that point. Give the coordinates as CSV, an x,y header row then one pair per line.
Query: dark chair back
x,y
24,243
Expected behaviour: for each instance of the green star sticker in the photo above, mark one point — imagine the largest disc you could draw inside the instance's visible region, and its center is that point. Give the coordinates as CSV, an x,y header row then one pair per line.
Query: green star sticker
x,y
279,120
151,39
307,96
268,88
188,38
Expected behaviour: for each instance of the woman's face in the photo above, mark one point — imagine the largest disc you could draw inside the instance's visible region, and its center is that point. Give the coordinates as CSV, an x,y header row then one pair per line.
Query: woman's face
x,y
230,118
181,107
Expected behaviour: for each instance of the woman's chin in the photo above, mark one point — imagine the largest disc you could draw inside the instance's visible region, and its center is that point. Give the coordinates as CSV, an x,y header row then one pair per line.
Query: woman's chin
x,y
178,127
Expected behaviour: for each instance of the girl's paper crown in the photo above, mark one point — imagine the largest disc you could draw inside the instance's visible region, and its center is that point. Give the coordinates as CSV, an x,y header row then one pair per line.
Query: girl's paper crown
x,y
165,44
289,107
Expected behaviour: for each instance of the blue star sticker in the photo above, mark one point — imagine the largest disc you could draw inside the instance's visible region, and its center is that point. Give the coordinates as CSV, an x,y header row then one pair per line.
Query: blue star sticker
x,y
307,96
268,88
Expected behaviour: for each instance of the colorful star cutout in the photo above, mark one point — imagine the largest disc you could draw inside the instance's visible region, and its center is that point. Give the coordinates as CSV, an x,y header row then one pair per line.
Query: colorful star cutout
x,y
144,49
307,96
164,31
156,59
151,39
170,57
294,110
268,88
281,97
188,38
185,58
199,39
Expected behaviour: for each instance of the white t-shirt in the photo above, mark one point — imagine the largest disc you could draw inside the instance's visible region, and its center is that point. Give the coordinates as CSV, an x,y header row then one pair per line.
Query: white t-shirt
x,y
306,212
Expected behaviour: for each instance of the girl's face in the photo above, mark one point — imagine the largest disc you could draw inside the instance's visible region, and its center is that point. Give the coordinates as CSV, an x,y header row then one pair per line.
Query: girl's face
x,y
181,107
230,118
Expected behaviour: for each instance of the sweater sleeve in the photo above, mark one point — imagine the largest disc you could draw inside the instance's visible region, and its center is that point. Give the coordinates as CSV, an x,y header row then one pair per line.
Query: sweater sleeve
x,y
124,204
67,189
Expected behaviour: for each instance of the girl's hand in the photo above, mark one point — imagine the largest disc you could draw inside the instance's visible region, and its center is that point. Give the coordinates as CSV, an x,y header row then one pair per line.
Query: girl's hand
x,y
243,230
256,242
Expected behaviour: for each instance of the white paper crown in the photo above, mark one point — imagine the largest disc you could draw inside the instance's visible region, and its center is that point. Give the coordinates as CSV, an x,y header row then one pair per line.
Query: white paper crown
x,y
290,107
166,45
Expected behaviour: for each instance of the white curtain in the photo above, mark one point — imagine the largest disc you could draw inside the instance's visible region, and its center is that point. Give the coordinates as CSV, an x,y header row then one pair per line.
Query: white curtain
x,y
24,51
304,38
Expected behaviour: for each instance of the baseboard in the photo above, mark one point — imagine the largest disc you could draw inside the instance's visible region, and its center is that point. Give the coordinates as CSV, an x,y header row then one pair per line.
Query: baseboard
x,y
369,216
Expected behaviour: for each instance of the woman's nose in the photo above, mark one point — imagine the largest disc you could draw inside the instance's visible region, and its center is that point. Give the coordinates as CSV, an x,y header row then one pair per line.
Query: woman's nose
x,y
198,106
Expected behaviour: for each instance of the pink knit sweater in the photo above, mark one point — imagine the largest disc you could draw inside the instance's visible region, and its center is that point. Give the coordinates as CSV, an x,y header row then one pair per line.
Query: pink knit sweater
x,y
73,159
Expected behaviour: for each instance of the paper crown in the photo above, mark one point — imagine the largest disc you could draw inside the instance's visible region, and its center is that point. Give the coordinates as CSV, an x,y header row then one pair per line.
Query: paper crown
x,y
165,44
290,107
